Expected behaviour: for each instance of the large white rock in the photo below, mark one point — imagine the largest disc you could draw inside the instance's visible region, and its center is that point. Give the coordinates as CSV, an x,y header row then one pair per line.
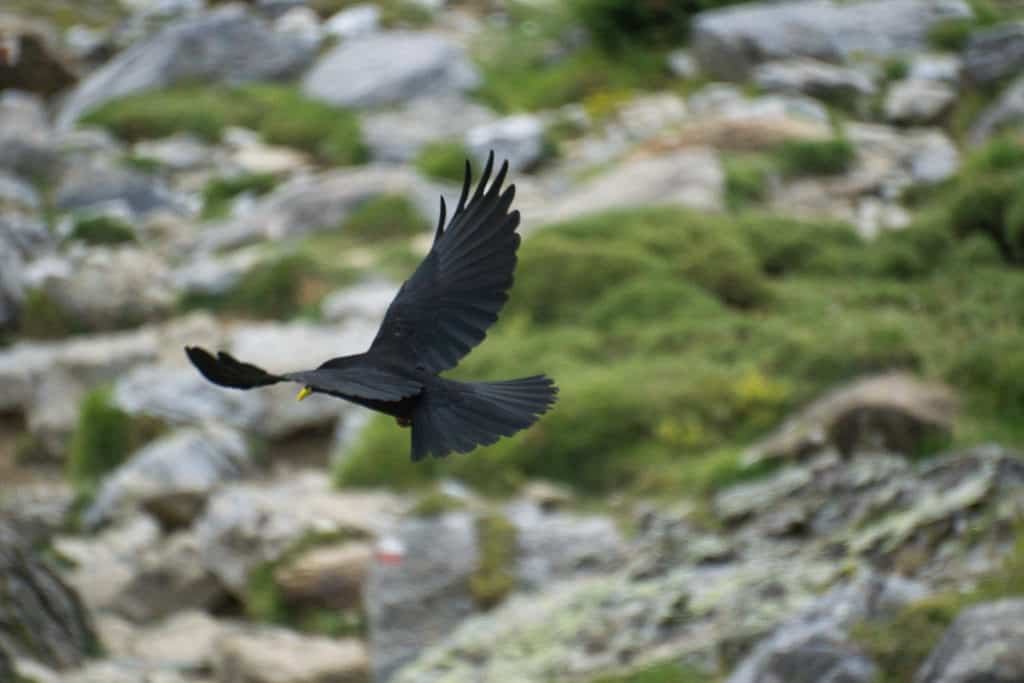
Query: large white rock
x,y
387,68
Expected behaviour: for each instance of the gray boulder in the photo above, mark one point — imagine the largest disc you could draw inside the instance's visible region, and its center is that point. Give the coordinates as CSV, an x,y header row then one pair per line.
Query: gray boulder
x,y
40,617
227,45
519,138
397,134
690,177
417,601
729,42
172,477
995,52
169,578
812,646
984,645
277,655
940,67
893,411
918,101
388,68
26,139
1006,112
247,524
355,21
96,186
815,78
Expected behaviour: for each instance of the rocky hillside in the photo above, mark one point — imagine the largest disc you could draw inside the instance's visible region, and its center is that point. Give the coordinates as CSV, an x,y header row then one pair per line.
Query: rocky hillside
x,y
773,257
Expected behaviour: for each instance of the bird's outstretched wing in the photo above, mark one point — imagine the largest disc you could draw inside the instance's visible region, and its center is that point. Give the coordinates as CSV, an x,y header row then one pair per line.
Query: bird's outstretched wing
x,y
358,379
445,308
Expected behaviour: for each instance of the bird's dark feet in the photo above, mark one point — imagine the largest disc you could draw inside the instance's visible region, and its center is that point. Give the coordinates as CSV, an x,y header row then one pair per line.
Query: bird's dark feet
x,y
403,421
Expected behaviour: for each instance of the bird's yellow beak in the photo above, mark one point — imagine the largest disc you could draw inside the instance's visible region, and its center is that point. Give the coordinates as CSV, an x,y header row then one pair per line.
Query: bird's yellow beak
x,y
306,391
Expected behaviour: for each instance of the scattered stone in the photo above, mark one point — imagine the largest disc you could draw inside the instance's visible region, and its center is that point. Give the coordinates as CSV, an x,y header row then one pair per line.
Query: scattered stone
x,y
40,617
26,139
916,101
519,139
642,118
894,411
366,302
246,525
225,45
690,177
397,134
303,24
985,643
17,195
995,52
169,578
354,21
1006,112
107,288
177,153
941,67
815,78
102,566
34,61
275,655
172,477
186,640
93,186
682,64
388,68
418,600
554,546
731,41
332,576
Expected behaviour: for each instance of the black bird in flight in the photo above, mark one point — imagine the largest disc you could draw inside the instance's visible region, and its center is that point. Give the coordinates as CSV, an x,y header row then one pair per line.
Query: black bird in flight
x,y
437,317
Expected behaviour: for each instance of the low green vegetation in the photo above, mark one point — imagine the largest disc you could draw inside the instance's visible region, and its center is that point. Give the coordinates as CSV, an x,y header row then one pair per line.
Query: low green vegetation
x,y
444,160
385,217
280,287
435,504
279,113
220,192
264,600
618,25
748,180
677,338
104,437
661,672
494,577
901,644
815,157
101,229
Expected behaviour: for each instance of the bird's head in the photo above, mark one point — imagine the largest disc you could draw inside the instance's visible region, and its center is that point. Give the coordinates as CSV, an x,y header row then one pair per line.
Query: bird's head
x,y
306,391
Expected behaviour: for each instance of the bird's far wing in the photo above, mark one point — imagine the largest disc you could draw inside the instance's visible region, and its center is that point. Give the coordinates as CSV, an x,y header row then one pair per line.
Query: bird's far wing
x,y
360,381
445,308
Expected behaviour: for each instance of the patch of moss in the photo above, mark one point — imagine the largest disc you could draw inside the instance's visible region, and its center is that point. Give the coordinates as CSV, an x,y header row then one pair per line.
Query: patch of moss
x,y
385,217
950,34
443,160
747,180
435,504
815,157
104,437
219,192
100,229
280,288
494,577
279,113
660,672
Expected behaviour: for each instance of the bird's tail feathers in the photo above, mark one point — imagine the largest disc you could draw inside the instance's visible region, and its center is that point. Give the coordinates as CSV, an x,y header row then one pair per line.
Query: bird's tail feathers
x,y
459,416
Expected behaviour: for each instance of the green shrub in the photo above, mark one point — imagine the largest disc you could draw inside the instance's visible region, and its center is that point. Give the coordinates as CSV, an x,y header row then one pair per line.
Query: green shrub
x,y
384,217
101,229
661,672
104,437
950,34
747,181
276,288
983,205
785,246
280,113
617,25
219,192
815,157
494,577
443,160
647,298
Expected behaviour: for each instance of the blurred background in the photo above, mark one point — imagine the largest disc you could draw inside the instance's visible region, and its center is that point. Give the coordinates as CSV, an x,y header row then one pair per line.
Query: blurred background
x,y
772,256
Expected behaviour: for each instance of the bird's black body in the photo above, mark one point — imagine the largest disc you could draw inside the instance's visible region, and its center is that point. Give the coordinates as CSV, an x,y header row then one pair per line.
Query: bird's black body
x,y
440,313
